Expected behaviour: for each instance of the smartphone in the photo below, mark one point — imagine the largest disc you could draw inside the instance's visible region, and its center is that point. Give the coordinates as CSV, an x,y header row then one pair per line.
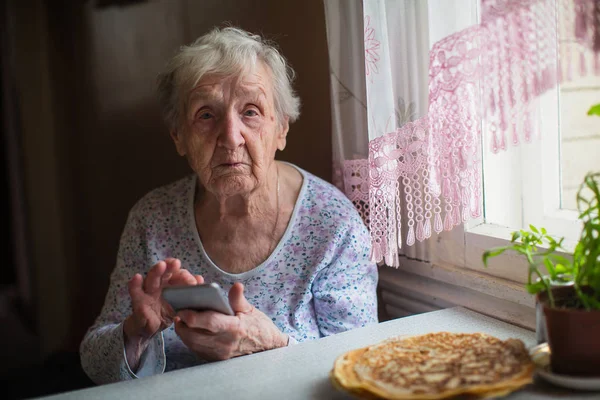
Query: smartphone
x,y
198,298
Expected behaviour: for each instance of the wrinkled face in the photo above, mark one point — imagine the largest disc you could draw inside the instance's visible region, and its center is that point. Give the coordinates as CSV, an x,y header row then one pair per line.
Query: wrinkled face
x,y
231,132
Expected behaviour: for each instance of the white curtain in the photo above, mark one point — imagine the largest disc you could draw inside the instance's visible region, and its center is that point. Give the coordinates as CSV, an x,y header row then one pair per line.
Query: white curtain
x,y
348,90
379,59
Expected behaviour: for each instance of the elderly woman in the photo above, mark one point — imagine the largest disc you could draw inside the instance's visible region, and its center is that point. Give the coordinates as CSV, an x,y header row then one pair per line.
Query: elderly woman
x,y
289,248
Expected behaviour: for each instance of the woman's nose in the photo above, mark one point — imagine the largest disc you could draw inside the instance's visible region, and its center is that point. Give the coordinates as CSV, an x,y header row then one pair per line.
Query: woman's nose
x,y
230,136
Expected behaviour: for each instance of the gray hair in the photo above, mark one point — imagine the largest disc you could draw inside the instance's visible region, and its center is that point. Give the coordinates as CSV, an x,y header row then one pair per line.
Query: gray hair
x,y
225,51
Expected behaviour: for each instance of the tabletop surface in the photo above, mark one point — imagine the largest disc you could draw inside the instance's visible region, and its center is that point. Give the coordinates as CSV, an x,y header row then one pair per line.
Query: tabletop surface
x,y
301,371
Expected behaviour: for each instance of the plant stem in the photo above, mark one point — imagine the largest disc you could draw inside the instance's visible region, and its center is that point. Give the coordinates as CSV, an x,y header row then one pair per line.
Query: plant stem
x,y
547,286
582,298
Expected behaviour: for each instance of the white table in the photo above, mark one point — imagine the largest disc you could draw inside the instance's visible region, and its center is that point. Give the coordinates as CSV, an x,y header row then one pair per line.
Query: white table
x,y
301,371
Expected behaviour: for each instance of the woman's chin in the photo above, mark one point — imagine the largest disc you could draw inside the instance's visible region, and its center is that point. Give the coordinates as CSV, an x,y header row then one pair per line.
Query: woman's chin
x,y
231,184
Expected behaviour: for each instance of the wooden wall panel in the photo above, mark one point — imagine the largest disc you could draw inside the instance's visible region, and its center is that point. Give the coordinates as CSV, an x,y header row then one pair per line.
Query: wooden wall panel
x,y
41,155
121,147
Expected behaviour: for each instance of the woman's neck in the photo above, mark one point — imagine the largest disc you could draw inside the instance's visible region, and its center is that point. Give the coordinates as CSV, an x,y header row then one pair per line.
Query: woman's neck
x,y
239,240
263,201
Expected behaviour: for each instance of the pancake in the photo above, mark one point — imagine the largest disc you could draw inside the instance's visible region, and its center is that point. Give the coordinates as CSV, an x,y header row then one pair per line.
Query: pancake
x,y
435,366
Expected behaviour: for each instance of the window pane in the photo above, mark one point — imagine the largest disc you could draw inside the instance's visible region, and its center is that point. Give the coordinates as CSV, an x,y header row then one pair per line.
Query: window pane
x,y
580,136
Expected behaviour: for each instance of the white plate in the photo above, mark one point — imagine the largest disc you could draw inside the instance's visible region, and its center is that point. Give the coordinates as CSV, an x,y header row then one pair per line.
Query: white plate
x,y
570,382
541,357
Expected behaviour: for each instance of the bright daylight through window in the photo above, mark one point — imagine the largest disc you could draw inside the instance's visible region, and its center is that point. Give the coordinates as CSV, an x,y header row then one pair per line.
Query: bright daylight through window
x,y
537,182
579,134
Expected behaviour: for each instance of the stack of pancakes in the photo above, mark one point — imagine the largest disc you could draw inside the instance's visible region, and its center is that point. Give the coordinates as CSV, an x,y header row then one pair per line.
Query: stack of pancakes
x,y
435,366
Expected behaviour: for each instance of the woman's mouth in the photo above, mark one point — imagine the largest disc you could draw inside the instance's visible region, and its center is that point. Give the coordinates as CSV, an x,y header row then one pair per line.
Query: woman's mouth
x,y
232,165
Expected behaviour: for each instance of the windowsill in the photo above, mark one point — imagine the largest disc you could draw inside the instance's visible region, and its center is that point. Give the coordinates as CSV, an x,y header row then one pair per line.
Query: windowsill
x,y
492,231
440,285
456,275
510,265
478,239
502,235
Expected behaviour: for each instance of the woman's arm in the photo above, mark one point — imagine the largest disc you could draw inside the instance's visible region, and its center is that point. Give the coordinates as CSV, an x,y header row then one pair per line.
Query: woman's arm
x,y
344,292
103,350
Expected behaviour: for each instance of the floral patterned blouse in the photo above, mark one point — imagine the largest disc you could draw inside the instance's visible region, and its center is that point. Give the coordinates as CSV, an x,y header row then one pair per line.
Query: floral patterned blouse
x,y
317,282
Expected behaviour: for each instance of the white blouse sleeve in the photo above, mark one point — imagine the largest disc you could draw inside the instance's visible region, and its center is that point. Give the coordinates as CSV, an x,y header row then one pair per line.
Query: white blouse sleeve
x,y
102,349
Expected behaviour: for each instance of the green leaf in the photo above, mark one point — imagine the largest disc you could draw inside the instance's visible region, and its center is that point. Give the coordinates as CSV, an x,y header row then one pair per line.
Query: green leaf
x,y
492,253
559,259
515,236
550,267
561,279
533,228
594,110
535,288
560,269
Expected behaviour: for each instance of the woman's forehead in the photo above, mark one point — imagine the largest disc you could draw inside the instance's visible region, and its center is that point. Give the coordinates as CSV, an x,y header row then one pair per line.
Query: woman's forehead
x,y
219,90
248,82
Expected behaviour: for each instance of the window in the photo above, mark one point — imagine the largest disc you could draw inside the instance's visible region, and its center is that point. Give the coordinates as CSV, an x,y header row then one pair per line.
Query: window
x,y
537,183
580,136
533,183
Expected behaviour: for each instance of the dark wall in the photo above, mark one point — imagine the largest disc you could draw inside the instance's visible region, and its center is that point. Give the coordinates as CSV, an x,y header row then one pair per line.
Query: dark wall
x,y
110,146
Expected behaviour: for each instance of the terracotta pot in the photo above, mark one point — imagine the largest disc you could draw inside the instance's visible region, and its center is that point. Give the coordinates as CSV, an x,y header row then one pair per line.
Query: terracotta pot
x,y
573,336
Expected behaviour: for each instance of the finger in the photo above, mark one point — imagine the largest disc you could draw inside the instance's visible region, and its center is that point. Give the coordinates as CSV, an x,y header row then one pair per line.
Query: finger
x,y
177,276
183,277
173,264
152,281
189,336
164,280
134,286
199,279
204,343
182,330
173,268
208,321
238,302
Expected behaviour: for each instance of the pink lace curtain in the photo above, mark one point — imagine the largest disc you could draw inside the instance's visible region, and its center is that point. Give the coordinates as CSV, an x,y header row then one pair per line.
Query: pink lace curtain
x,y
416,169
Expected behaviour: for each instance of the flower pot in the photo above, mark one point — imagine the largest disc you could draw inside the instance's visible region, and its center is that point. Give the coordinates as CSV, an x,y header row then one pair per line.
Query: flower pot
x,y
573,336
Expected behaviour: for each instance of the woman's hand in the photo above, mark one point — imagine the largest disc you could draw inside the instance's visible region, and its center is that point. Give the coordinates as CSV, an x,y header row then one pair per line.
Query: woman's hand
x,y
151,314
215,336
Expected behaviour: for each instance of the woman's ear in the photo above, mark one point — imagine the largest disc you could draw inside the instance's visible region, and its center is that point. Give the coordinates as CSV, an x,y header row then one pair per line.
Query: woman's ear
x,y
282,137
176,136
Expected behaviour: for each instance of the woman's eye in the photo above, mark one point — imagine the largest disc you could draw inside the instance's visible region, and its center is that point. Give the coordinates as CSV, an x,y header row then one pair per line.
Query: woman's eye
x,y
204,115
250,113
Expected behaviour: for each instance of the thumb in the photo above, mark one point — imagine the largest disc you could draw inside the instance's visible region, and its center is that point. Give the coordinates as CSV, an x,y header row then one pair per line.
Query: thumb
x,y
238,302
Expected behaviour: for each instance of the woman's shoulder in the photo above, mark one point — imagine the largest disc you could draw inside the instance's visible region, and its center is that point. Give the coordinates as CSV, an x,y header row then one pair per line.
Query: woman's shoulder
x,y
165,199
327,201
324,193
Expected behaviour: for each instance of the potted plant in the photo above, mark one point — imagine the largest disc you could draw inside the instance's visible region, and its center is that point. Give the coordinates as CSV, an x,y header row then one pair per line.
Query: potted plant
x,y
568,289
